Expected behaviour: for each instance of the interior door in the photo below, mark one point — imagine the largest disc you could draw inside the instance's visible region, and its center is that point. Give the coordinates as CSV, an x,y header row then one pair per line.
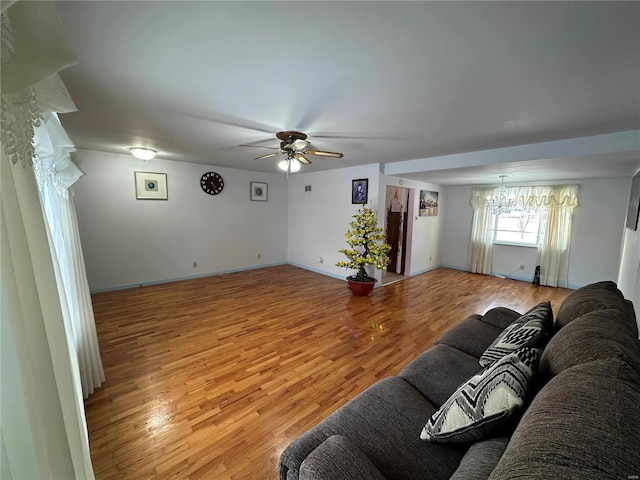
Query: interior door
x,y
393,236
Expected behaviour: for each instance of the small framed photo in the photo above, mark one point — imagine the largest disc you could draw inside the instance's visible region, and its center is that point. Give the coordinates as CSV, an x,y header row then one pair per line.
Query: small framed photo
x,y
151,186
360,190
428,203
259,191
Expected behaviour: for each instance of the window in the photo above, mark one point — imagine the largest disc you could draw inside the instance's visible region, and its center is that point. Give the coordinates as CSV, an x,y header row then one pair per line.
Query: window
x,y
519,227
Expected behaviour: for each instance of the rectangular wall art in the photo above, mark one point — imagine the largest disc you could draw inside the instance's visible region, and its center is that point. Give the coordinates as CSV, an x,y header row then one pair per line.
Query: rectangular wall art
x,y
258,192
151,186
360,190
428,203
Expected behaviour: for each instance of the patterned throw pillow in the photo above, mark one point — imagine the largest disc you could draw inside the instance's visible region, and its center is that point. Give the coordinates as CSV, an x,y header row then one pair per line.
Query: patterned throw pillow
x,y
485,402
527,331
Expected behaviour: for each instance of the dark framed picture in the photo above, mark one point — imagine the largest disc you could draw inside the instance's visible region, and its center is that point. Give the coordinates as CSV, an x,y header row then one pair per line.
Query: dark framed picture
x,y
634,203
360,190
428,203
258,192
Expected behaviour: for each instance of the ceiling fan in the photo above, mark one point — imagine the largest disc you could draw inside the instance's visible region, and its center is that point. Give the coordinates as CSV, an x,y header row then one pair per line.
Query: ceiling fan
x,y
296,147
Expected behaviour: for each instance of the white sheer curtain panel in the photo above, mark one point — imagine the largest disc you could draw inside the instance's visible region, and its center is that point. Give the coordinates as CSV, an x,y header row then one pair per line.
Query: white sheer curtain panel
x,y
55,173
43,432
481,250
553,253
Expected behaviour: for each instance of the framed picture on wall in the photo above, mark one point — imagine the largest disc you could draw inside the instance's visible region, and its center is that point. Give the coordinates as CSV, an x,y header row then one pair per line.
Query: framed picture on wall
x,y
151,186
634,203
259,191
360,190
428,203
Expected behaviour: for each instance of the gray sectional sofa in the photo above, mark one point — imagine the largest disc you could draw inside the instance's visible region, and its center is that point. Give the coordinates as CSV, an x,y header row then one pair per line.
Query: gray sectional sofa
x,y
581,419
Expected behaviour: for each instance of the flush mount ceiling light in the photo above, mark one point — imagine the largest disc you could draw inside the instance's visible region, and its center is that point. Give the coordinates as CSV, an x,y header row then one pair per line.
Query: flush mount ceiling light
x,y
500,202
142,153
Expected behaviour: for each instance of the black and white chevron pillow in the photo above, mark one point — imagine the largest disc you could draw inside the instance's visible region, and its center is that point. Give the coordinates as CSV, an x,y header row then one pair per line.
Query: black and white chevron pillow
x,y
528,330
485,402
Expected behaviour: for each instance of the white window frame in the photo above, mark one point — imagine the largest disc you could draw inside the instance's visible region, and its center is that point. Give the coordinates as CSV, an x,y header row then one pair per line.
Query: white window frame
x,y
539,236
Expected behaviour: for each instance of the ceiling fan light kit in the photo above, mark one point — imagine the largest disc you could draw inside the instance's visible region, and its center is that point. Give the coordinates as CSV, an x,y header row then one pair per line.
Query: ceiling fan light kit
x,y
295,146
142,153
289,165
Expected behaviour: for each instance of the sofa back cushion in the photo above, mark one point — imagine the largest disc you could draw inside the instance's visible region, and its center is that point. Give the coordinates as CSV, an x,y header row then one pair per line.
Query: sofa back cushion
x,y
338,459
582,424
593,336
480,459
596,296
529,330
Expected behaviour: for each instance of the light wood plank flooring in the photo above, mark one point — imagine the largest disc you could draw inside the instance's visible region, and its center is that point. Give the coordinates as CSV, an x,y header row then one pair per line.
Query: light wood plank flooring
x,y
212,378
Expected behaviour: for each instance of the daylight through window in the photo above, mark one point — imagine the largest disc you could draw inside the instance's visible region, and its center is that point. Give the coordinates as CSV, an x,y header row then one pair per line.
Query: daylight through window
x,y
519,227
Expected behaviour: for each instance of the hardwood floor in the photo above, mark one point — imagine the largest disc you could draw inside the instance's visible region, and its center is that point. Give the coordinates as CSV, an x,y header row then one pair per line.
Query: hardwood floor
x,y
212,378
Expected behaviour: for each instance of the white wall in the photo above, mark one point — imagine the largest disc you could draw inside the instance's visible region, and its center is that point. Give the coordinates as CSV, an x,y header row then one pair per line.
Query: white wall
x,y
319,219
456,232
598,226
128,242
596,237
629,276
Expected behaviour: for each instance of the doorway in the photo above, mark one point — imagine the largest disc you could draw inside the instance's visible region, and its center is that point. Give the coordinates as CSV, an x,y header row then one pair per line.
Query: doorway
x,y
397,229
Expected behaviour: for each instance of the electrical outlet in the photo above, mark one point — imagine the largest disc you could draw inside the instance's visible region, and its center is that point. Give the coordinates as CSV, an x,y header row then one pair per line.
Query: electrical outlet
x,y
321,260
521,267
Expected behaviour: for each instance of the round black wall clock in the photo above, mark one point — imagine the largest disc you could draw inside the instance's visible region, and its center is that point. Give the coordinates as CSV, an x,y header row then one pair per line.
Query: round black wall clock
x,y
212,183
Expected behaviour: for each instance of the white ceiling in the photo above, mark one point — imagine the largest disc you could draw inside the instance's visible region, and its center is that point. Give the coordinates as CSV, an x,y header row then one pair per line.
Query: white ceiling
x,y
414,86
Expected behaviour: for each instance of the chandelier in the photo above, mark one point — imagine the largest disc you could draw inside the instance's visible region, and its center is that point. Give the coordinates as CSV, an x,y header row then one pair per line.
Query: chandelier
x,y
500,202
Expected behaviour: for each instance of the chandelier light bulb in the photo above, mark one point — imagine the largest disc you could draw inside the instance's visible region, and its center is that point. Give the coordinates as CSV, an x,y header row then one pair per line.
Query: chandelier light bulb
x,y
294,165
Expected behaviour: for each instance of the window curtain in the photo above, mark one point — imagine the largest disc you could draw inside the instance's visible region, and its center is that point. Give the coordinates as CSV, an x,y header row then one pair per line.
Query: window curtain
x,y
43,432
481,251
553,253
55,173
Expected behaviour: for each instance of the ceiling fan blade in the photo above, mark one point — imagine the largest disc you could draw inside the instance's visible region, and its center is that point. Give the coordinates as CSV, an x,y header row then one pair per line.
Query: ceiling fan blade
x,y
269,155
355,135
302,159
320,153
258,146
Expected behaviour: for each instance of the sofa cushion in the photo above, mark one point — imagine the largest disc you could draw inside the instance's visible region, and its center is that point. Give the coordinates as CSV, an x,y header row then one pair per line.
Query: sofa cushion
x,y
439,371
338,459
582,424
471,335
529,330
594,336
500,317
382,423
480,459
593,297
484,404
